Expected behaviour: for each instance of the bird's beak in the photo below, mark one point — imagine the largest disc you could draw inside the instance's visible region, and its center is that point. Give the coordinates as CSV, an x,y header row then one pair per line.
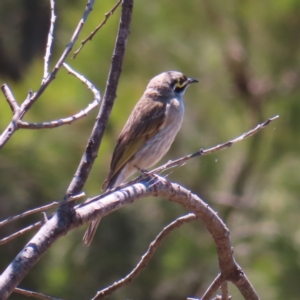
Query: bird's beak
x,y
191,80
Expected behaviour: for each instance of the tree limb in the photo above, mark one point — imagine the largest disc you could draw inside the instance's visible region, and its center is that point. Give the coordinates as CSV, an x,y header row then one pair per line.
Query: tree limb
x,y
25,106
49,41
10,98
213,288
34,294
71,119
97,133
89,38
211,150
40,209
61,223
146,257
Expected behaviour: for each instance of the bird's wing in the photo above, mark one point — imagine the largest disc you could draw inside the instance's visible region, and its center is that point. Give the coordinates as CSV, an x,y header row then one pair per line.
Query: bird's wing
x,y
138,129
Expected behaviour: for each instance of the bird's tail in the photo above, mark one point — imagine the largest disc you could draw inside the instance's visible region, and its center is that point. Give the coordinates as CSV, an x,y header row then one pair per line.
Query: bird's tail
x,y
108,184
111,181
90,232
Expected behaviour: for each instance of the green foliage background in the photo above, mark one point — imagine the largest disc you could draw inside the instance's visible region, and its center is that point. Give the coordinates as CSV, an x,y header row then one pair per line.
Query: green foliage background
x,y
246,57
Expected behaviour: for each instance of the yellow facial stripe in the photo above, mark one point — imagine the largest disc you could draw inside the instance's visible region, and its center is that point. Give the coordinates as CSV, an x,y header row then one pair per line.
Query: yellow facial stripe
x,y
180,85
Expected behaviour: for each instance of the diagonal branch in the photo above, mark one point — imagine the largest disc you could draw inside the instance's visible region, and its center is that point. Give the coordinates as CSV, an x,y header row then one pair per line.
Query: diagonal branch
x,y
213,288
40,209
201,152
146,257
34,294
49,41
10,98
20,232
90,37
109,97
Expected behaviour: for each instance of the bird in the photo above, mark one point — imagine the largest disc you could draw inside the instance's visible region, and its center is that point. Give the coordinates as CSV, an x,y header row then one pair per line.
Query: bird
x,y
148,133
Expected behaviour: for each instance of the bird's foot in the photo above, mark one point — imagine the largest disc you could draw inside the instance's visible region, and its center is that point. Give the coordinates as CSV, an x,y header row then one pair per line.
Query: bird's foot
x,y
154,175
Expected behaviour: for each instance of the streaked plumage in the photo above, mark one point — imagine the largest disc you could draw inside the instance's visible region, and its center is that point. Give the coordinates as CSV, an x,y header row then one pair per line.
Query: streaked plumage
x,y
149,132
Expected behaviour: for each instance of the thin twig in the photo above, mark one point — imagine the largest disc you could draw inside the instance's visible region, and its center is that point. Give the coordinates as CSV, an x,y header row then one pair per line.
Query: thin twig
x,y
21,232
34,294
71,119
219,147
85,81
60,122
10,98
49,41
90,37
213,288
146,257
225,293
39,209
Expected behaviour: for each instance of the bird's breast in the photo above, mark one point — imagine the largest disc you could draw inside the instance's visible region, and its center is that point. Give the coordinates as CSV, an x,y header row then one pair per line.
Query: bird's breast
x,y
174,114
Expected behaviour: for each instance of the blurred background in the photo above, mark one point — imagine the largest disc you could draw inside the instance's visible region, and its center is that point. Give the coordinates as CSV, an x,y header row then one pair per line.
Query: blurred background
x,y
246,56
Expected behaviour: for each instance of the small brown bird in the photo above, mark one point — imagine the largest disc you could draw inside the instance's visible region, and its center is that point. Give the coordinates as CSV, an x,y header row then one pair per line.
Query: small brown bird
x,y
148,133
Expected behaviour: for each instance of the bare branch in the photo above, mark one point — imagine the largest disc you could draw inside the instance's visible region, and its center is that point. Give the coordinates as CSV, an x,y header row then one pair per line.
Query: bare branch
x,y
13,126
20,232
40,209
62,222
201,152
90,37
146,257
10,98
34,294
182,160
49,41
85,81
225,293
109,97
60,122
71,119
213,288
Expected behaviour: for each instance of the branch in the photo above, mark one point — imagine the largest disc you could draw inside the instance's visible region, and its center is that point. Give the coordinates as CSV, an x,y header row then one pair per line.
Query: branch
x,y
201,152
34,294
89,85
225,293
61,223
10,98
90,37
213,288
68,120
229,269
49,41
146,257
20,232
40,209
13,126
182,160
97,133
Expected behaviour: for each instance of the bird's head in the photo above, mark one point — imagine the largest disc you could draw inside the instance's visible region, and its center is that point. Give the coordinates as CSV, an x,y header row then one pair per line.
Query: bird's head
x,y
170,83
